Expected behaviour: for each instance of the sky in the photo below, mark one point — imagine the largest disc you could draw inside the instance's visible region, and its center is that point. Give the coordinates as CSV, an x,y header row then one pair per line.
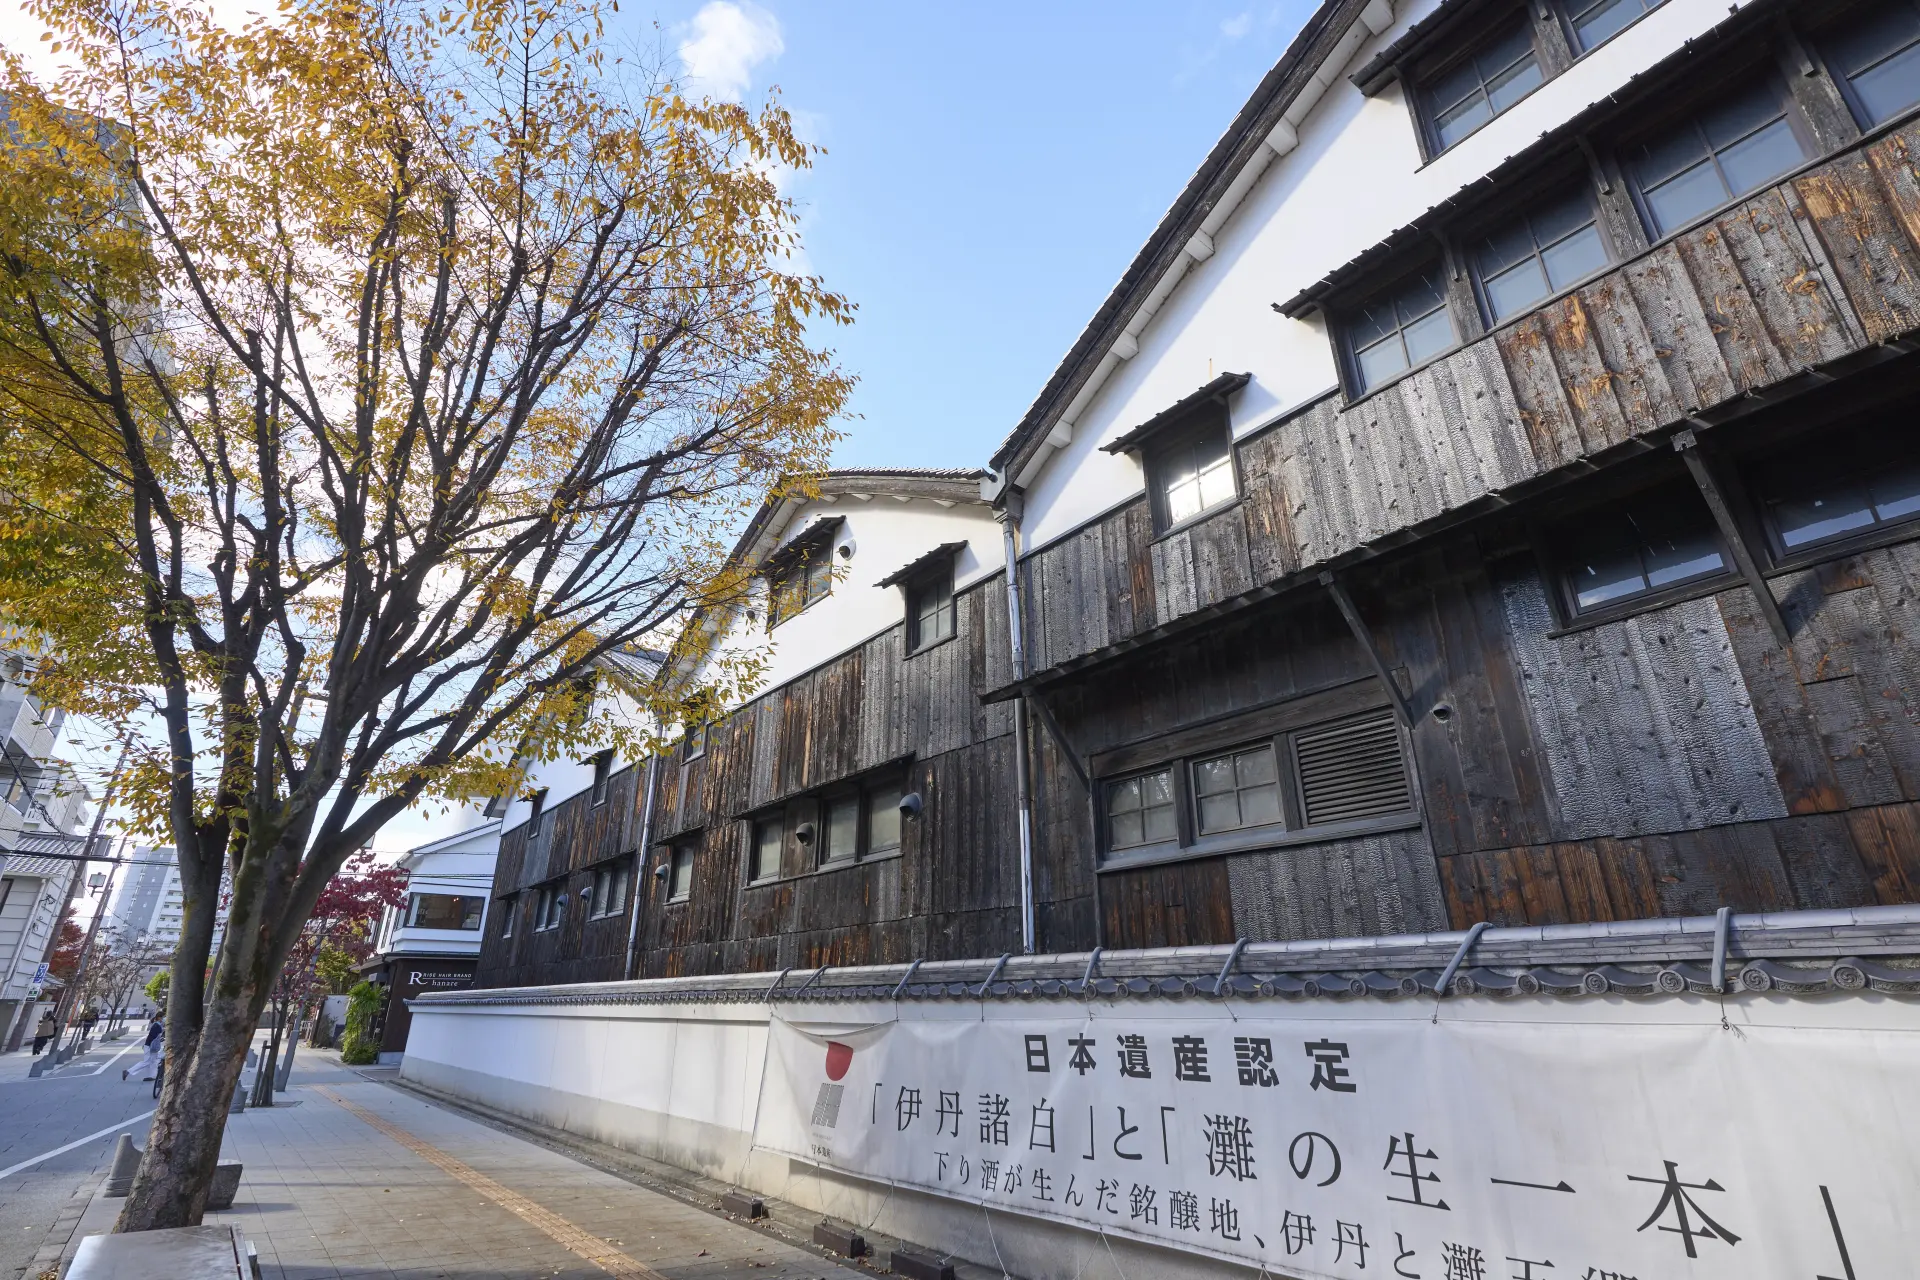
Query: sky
x,y
990,169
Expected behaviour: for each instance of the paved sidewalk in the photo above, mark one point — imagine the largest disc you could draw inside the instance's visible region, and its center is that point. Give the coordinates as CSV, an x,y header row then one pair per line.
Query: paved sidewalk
x,y
363,1180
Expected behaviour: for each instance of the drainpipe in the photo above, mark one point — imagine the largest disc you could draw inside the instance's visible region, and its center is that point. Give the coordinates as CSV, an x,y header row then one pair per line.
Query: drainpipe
x,y
1009,517
640,863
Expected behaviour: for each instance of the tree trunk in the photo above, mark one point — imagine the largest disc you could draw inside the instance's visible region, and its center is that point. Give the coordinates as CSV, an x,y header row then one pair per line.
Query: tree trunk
x,y
171,1188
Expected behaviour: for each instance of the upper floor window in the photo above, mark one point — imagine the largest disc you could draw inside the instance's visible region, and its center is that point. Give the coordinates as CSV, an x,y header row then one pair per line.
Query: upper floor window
x,y
1539,254
1876,60
680,872
508,905
1717,156
549,908
1404,326
930,607
693,742
840,831
764,855
602,776
1482,84
1191,472
1663,538
1596,21
1851,493
443,911
1284,786
803,580
607,895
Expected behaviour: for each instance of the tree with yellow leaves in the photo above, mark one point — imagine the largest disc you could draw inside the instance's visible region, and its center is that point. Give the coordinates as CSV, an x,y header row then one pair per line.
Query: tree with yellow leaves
x,y
370,376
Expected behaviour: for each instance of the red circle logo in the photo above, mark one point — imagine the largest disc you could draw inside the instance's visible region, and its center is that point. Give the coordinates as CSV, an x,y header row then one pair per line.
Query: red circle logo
x,y
839,1058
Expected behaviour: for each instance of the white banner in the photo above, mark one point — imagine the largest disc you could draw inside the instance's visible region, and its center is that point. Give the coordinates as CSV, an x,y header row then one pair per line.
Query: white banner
x,y
1536,1140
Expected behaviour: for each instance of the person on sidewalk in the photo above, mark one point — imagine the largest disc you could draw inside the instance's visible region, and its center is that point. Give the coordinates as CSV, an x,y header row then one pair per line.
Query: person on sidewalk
x,y
87,1021
44,1031
150,1062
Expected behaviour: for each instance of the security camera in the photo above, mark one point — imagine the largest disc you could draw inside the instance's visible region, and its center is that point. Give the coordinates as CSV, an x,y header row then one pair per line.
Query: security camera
x,y
846,550
911,804
660,872
804,833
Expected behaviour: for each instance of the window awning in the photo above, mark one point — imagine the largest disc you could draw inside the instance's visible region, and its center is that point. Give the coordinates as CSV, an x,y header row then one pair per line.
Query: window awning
x,y
906,573
1215,392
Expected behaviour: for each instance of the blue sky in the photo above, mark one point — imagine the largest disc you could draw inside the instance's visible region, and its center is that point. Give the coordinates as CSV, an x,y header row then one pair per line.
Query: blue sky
x,y
991,169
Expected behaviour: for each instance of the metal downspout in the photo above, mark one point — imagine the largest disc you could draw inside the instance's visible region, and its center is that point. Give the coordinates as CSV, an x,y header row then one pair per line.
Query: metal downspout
x,y
1009,517
640,863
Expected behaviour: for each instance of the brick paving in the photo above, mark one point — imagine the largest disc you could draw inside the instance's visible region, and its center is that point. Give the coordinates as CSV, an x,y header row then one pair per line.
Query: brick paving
x,y
391,1186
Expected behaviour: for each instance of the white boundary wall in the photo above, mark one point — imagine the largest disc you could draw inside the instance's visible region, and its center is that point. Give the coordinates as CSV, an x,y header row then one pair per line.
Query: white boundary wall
x,y
683,1083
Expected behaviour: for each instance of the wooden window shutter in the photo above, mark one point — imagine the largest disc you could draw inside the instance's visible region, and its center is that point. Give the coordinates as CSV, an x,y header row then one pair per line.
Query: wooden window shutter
x,y
1353,769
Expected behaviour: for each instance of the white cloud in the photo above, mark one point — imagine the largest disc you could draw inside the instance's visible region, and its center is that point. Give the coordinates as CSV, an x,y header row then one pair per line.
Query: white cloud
x,y
726,41
1238,25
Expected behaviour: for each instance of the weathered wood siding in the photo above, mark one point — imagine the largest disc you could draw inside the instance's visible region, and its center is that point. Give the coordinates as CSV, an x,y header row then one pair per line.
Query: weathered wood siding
x,y
953,890
581,949
1799,276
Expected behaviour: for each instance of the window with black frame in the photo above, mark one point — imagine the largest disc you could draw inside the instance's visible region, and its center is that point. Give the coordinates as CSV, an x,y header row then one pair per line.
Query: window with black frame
x,y
444,911
548,907
506,908
840,828
1717,155
930,608
1482,83
769,841
805,579
1656,541
1594,22
1190,471
1538,254
1858,491
1399,328
608,893
680,872
602,776
1314,781
1875,59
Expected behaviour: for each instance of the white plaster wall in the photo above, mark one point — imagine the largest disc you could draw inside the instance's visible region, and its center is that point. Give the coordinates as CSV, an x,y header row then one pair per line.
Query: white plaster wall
x,y
1355,177
885,534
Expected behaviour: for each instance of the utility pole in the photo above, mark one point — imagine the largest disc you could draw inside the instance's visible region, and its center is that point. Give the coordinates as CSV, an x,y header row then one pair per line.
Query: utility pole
x,y
93,930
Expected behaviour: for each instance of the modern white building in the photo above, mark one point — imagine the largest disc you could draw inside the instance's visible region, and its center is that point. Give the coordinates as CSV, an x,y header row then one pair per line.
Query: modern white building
x,y
43,806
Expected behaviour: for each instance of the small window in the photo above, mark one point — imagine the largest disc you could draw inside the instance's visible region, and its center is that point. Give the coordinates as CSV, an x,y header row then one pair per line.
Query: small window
x,y
1539,255
536,810
1716,157
1877,62
607,896
930,609
548,907
693,742
842,828
602,776
1240,789
1404,327
769,841
680,873
883,817
1594,22
507,906
1481,85
444,911
1192,472
1140,811
1808,504
805,581
1660,540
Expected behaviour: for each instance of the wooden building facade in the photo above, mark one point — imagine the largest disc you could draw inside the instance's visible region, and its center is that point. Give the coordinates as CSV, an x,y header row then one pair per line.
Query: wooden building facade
x,y
1595,606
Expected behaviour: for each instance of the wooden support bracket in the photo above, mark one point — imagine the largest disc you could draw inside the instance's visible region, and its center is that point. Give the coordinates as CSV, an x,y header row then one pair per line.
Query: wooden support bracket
x,y
1745,558
1358,626
1059,736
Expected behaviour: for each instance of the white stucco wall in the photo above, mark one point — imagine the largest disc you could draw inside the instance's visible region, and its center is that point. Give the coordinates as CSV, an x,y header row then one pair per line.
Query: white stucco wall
x,y
1354,177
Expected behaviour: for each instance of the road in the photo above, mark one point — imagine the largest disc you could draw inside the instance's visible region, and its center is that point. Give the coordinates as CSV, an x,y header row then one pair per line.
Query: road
x,y
44,1115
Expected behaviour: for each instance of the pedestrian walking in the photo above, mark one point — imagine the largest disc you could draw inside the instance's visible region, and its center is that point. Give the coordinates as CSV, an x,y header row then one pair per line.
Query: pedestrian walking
x,y
88,1017
153,1061
44,1031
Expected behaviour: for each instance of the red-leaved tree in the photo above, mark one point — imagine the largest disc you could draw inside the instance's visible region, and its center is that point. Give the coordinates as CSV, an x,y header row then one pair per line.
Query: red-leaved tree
x,y
344,919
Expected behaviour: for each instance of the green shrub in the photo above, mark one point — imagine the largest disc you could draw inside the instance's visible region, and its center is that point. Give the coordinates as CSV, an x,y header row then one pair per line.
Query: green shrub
x,y
357,1048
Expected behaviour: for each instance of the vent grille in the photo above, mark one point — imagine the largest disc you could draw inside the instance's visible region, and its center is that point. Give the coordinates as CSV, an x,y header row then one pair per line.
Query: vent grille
x,y
1353,769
